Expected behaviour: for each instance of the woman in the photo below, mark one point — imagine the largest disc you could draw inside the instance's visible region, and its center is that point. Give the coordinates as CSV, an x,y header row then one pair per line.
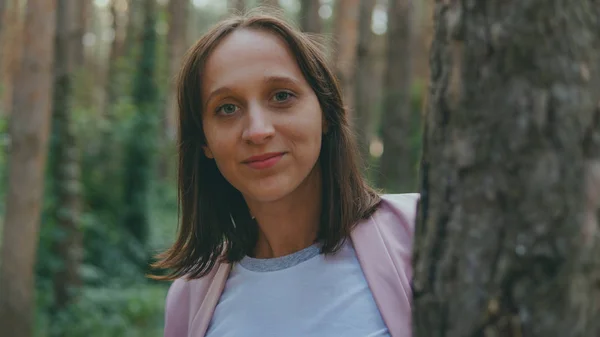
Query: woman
x,y
280,235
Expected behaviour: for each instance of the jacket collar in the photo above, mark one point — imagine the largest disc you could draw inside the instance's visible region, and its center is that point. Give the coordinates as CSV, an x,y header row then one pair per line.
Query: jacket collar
x,y
372,250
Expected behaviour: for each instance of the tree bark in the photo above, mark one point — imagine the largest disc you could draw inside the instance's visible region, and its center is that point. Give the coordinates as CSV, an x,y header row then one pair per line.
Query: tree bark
x,y
397,172
29,127
64,163
310,21
346,36
363,78
507,240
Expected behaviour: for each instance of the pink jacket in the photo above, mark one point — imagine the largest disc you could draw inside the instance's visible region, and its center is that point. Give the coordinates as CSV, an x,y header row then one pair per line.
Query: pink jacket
x,y
383,244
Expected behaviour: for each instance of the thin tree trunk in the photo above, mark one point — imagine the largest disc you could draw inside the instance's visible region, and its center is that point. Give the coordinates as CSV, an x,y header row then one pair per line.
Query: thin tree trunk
x,y
134,26
310,21
113,57
11,49
397,172
507,240
237,5
346,36
140,143
176,44
79,23
29,128
64,163
2,23
363,78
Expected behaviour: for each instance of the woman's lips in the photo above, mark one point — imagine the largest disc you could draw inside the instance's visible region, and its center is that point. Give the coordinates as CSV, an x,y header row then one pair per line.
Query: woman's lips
x,y
264,161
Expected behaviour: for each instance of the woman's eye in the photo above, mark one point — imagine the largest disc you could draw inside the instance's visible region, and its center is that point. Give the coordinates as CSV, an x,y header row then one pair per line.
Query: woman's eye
x,y
282,96
227,109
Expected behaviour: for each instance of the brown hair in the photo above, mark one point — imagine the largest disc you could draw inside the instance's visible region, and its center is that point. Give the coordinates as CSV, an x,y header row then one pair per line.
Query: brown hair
x,y
214,221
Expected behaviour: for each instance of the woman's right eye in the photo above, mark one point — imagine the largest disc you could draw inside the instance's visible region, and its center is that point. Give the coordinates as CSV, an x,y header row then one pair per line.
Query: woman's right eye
x,y
227,109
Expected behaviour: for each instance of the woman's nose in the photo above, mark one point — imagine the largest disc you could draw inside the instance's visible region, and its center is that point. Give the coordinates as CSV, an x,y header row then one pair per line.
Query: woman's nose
x,y
259,127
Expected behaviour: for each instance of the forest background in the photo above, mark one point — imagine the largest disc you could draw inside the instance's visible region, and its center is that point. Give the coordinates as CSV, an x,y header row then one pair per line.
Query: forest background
x,y
109,159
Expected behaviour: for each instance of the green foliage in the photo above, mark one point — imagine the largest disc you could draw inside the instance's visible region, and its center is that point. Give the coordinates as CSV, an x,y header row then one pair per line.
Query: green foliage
x,y
108,312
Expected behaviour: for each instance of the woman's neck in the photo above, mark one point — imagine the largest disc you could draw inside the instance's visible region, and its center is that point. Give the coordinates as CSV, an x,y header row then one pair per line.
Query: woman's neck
x,y
290,224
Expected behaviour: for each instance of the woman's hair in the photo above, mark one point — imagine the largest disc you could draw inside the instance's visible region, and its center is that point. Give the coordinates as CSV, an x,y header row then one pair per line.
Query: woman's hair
x,y
215,224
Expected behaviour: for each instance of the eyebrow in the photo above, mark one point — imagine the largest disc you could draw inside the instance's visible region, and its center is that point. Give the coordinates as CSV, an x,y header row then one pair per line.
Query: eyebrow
x,y
266,79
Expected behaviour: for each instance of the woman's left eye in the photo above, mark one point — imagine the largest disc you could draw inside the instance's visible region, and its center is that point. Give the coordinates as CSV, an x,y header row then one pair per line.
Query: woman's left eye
x,y
282,96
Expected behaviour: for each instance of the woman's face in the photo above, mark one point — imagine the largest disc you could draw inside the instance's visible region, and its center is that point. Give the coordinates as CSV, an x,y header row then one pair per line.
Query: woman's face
x,y
262,120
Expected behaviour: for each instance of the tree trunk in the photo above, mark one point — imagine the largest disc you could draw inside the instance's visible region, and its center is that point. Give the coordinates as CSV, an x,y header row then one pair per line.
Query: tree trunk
x,y
141,141
507,240
134,24
237,5
346,35
363,78
2,23
397,172
176,40
112,73
29,127
11,49
64,163
79,22
310,21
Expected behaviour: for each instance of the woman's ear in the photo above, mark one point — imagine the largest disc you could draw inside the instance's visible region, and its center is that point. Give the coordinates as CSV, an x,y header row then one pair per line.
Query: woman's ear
x,y
207,152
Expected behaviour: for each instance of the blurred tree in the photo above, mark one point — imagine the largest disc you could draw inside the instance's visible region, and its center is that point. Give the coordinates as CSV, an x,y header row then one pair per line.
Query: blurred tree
x,y
363,78
176,44
345,36
310,21
64,160
29,128
142,138
397,172
134,24
2,14
10,51
507,237
112,88
237,5
79,21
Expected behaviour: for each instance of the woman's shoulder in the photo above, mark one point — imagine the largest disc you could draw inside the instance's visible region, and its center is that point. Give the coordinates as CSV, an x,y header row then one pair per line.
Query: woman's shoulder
x,y
181,301
398,208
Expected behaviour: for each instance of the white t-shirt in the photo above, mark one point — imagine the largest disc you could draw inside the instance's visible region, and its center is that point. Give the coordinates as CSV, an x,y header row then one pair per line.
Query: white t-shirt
x,y
299,295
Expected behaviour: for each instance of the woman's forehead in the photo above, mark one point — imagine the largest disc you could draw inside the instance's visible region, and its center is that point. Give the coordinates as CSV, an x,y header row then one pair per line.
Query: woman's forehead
x,y
249,53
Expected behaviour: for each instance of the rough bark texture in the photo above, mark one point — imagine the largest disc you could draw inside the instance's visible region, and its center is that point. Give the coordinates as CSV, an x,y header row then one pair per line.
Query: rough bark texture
x,y
507,240
346,36
363,78
396,170
64,163
29,127
310,21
